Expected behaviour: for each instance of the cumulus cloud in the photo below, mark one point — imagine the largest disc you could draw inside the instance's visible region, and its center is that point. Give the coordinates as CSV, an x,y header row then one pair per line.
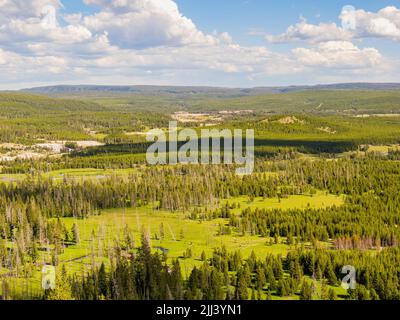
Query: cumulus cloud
x,y
145,23
24,23
153,40
33,30
13,63
355,24
338,55
21,9
304,31
383,24
226,58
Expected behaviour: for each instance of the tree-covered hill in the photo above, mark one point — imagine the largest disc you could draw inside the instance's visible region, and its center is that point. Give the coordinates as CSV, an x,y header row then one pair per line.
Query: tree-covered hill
x,y
325,101
202,90
17,105
350,102
24,118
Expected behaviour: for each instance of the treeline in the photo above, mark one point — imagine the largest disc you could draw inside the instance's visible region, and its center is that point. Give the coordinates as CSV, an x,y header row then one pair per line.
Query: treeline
x,y
22,119
371,189
346,226
172,188
307,274
368,219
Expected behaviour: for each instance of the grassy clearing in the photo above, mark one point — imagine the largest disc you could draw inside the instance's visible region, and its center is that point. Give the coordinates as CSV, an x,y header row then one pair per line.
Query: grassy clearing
x,y
98,234
78,174
180,234
383,149
318,201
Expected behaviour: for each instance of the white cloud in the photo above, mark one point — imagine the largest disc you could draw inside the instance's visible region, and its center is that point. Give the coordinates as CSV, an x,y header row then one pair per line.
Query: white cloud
x,y
226,37
383,24
145,23
32,30
304,31
21,9
356,24
225,58
3,57
339,55
19,65
150,41
27,23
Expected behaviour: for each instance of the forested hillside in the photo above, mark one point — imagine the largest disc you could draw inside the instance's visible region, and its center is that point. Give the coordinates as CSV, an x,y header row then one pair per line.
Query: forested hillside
x,y
77,194
18,105
345,99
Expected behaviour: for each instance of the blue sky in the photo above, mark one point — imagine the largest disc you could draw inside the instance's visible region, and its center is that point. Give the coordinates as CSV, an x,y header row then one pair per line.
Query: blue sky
x,y
236,43
237,16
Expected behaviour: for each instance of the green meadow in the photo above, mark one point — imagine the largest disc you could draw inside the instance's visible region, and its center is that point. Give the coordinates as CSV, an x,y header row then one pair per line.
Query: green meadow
x,y
99,234
319,200
75,174
309,141
181,233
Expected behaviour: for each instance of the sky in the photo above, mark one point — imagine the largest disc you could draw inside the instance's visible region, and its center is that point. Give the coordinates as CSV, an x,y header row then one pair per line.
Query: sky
x,y
235,43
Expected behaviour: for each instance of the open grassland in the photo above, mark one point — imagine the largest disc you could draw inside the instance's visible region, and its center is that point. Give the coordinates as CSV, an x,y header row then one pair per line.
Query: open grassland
x,y
182,233
73,174
99,234
318,201
289,144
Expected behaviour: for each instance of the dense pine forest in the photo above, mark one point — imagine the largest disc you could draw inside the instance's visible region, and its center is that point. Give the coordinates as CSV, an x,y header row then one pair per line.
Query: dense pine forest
x,y
324,194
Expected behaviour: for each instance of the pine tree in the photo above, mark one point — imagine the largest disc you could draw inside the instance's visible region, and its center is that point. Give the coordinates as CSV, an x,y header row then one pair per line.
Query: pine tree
x,y
306,291
75,234
269,296
146,247
242,285
162,233
253,294
203,256
331,294
260,278
102,280
63,289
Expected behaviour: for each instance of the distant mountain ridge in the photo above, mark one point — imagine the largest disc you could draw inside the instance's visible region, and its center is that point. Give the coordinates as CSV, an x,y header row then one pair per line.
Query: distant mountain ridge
x,y
198,90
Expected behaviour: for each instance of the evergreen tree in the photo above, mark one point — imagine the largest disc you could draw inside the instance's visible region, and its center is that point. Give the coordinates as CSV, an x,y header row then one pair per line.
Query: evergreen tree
x,y
75,234
63,289
306,291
